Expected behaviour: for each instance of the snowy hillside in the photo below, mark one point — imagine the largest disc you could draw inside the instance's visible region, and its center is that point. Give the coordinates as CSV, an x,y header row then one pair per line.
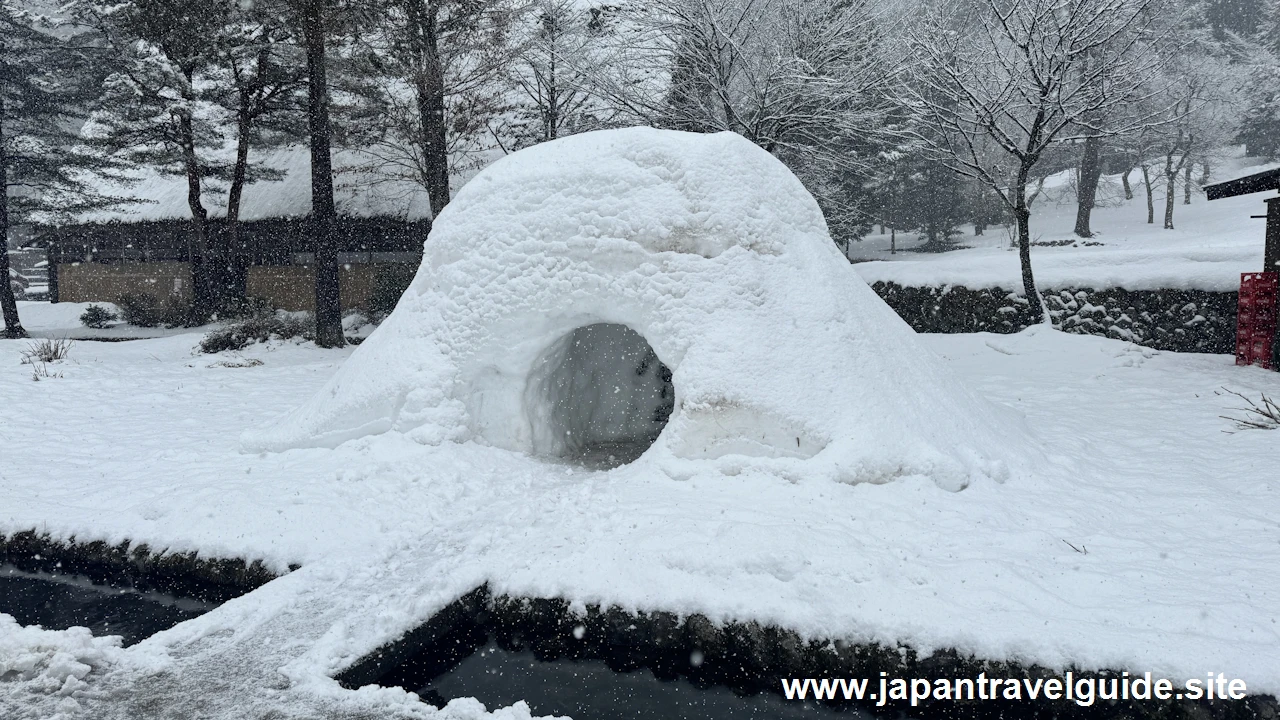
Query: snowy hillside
x,y
1212,243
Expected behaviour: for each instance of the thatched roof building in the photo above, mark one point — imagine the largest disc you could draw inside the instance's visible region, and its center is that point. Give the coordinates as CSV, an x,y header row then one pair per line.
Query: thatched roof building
x,y
143,244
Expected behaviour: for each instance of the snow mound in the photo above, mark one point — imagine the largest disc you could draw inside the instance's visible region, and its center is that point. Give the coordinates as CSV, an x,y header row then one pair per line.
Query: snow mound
x,y
669,295
50,674
52,661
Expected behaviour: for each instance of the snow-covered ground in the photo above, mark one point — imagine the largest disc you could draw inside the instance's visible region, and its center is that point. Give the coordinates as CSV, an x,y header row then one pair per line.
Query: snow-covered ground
x,y
62,320
1212,243
1177,522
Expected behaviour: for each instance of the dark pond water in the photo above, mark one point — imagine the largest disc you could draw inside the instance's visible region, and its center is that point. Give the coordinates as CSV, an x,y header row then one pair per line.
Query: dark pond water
x,y
589,690
58,601
467,662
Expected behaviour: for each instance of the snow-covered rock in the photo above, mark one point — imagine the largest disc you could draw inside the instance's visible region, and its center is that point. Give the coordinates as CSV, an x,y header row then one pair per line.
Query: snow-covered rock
x,y
556,275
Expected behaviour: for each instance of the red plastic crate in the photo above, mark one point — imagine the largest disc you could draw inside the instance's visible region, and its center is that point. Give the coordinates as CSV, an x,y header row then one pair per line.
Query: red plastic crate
x,y
1256,318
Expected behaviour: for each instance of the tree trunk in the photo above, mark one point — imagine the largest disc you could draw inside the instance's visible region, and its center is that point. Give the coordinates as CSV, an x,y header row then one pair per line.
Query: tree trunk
x,y
1171,182
1124,180
8,303
51,258
1087,187
1022,214
1039,189
233,259
323,212
429,88
202,265
1151,205
551,123
893,241
1186,185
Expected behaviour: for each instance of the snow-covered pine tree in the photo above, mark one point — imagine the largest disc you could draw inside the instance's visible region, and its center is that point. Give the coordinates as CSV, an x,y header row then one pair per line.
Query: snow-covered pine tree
x,y
940,205
259,82
45,81
154,110
314,20
914,193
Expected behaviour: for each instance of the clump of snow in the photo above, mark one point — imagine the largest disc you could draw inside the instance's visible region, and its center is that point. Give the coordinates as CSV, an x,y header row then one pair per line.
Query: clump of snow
x,y
51,661
53,670
712,252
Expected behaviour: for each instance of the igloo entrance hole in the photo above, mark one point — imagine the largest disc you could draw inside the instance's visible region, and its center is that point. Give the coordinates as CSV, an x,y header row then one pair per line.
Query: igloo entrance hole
x,y
599,397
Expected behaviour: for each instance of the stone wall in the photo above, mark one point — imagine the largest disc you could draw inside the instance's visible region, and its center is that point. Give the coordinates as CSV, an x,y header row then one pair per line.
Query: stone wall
x,y
168,282
748,658
292,287
289,287
1177,320
136,565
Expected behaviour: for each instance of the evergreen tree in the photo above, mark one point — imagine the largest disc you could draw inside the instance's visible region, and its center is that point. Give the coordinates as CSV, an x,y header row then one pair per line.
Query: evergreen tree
x,y
1260,127
314,19
44,82
154,111
985,208
938,205
259,81
891,205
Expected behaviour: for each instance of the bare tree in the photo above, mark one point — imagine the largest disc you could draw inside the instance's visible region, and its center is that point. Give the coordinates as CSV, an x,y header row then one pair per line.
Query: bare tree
x,y
785,74
1143,149
552,73
1201,98
804,79
435,70
1024,75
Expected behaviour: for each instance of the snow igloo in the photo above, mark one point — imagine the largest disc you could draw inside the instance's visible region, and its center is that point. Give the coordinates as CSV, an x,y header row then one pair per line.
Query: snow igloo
x,y
657,298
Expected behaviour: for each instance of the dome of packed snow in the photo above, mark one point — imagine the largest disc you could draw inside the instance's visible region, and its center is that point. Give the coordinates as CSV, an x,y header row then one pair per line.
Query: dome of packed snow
x,y
660,297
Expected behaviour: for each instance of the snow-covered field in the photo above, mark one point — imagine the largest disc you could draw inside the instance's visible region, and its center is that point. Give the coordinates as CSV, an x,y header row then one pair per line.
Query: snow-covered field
x,y
1177,522
62,320
1212,243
